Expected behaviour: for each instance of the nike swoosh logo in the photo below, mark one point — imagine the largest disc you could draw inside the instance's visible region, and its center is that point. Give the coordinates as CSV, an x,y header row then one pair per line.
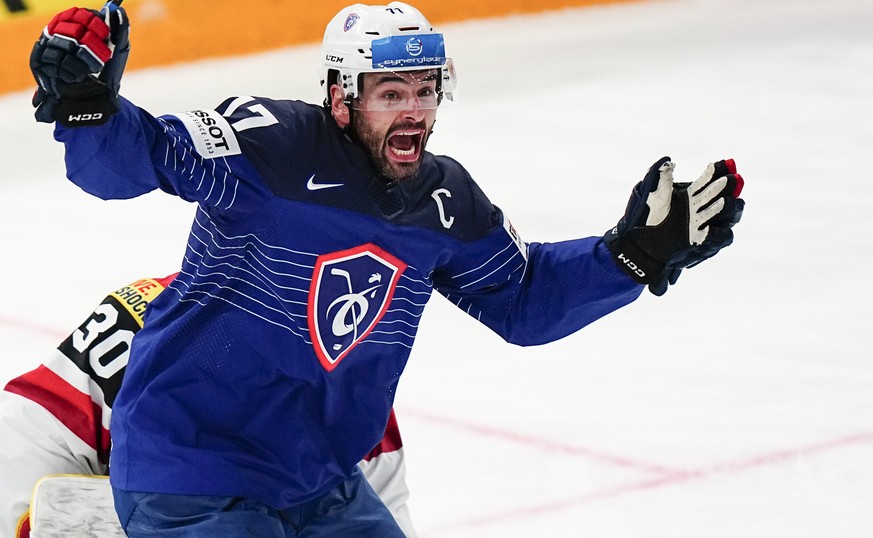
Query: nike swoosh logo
x,y
313,186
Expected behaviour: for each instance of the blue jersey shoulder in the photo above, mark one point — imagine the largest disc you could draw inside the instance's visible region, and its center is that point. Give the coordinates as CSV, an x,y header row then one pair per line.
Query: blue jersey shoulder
x,y
302,155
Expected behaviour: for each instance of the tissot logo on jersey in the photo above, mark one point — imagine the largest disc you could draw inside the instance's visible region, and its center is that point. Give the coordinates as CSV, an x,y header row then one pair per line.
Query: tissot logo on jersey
x,y
211,133
350,292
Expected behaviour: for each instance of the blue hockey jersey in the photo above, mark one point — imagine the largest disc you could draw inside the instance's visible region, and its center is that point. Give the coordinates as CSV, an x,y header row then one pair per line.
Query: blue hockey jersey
x,y
269,366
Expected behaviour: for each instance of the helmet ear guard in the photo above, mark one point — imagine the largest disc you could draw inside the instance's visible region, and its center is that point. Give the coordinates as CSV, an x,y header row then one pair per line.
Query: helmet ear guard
x,y
370,39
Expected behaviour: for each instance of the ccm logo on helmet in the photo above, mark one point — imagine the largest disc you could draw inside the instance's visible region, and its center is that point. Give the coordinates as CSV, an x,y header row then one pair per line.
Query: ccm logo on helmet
x,y
334,59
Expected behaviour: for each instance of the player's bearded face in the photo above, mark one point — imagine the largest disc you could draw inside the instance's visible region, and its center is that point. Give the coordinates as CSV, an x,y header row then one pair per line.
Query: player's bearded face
x,y
393,120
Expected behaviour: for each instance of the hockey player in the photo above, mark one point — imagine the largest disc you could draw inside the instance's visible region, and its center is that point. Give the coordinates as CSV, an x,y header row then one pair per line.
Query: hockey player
x,y
268,368
54,420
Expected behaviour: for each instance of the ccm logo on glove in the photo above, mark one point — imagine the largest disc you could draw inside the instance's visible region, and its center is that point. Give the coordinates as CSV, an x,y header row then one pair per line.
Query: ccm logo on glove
x,y
670,226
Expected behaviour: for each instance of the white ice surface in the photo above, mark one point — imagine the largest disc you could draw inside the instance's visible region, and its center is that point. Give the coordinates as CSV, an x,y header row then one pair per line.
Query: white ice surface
x,y
740,404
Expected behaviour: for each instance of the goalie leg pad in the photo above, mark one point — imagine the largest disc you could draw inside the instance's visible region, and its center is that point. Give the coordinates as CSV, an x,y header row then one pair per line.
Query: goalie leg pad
x,y
68,506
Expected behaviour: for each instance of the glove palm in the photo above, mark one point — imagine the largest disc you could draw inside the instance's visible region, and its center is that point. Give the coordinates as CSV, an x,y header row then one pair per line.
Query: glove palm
x,y
670,226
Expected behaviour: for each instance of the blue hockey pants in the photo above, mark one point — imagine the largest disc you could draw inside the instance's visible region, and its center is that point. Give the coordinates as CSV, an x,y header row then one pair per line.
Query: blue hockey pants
x,y
351,509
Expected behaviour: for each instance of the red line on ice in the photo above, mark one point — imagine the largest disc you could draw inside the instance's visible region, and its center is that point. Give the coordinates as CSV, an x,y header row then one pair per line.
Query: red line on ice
x,y
539,442
668,477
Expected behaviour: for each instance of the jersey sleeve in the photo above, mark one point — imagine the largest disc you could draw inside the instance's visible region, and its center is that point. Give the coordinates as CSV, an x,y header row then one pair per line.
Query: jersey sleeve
x,y
194,155
534,293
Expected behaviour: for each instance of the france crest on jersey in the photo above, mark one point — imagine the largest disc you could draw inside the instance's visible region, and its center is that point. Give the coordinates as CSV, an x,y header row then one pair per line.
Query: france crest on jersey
x,y
349,294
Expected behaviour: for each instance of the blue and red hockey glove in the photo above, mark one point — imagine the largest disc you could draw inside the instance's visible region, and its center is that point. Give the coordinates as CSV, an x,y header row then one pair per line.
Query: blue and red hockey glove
x,y
77,63
671,226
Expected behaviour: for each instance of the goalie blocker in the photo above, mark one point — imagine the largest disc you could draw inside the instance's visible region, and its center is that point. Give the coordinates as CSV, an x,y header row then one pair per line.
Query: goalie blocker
x,y
54,420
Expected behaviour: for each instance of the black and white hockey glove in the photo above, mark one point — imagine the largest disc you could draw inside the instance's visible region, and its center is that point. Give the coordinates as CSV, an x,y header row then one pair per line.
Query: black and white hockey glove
x,y
670,226
77,63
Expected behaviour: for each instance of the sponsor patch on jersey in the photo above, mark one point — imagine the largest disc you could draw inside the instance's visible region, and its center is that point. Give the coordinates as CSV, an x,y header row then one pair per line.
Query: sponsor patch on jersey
x,y
211,133
510,229
137,296
350,292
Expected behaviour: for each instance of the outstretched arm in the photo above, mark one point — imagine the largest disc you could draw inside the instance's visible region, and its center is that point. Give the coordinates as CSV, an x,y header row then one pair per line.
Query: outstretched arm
x,y
537,293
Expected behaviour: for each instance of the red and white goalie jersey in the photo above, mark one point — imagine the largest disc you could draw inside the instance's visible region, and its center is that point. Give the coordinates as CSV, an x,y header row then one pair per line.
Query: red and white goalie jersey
x,y
55,418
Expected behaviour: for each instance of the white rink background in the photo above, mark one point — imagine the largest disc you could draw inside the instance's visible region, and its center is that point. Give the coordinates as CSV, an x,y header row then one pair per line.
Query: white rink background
x,y
738,405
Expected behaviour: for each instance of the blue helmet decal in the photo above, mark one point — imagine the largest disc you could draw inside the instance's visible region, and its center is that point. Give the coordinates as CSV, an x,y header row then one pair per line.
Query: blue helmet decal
x,y
420,50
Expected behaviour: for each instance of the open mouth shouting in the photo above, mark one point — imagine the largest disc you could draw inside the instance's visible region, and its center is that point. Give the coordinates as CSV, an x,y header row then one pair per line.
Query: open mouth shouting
x,y
398,148
404,145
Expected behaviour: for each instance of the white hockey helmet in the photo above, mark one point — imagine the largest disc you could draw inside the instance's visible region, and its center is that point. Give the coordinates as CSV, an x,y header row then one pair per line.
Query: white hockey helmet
x,y
369,39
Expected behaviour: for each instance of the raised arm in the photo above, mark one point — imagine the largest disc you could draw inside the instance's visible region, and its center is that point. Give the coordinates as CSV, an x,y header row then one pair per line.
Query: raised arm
x,y
114,149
